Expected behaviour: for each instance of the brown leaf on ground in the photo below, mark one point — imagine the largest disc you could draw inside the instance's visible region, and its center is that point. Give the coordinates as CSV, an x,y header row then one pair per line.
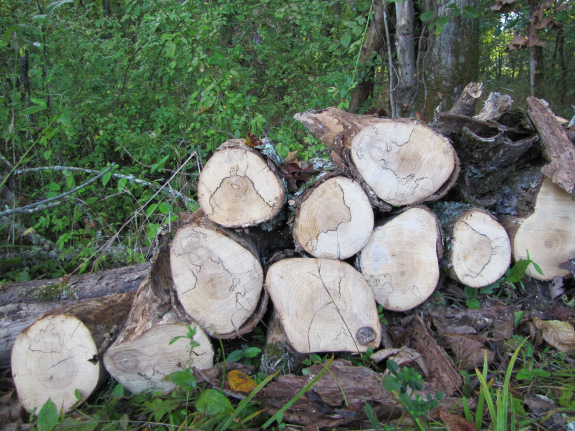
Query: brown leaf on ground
x,y
560,335
542,407
456,423
402,356
469,350
292,157
241,382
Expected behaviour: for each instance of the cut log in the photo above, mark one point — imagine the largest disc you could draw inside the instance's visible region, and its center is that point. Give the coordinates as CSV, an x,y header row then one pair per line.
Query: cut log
x,y
560,151
401,259
478,247
238,188
143,354
465,105
547,234
324,305
334,219
218,277
404,162
21,304
495,106
61,352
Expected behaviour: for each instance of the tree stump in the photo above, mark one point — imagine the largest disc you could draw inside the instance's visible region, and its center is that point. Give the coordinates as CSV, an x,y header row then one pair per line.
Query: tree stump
x,y
142,355
400,260
61,352
238,188
478,247
334,219
323,305
218,277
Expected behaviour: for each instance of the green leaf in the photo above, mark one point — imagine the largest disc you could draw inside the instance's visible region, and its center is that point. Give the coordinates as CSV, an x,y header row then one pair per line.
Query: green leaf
x,y
55,5
183,378
213,402
473,304
165,208
151,210
333,47
426,16
47,154
158,166
252,352
346,40
118,391
32,110
470,12
122,183
517,271
518,316
235,356
48,416
372,417
106,178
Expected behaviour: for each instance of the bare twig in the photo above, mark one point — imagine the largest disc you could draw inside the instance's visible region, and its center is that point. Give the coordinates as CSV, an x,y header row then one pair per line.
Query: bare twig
x,y
55,200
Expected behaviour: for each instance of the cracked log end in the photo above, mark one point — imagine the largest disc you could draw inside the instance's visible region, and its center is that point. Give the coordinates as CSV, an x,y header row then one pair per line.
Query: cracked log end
x,y
335,219
217,280
142,364
480,250
403,161
51,359
237,188
548,233
400,260
324,305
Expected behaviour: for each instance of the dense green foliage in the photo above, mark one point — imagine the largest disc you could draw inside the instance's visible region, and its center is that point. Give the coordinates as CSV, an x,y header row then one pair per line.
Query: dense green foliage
x,y
154,87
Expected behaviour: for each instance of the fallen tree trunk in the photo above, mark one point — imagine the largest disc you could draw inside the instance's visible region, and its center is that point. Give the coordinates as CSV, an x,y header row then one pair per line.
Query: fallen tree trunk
x,y
218,277
22,303
324,305
400,261
478,247
333,219
143,355
239,188
61,353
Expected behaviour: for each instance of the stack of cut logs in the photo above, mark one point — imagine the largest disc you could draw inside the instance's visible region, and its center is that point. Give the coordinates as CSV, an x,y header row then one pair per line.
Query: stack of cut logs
x,y
345,257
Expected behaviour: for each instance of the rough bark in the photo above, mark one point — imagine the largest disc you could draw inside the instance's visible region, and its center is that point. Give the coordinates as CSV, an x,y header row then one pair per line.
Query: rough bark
x,y
218,277
334,219
406,67
22,303
143,354
478,247
400,261
61,352
324,305
467,100
239,188
495,106
560,151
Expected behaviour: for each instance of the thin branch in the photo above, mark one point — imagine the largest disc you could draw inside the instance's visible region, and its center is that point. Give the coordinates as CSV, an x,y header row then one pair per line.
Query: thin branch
x,y
131,178
42,205
5,160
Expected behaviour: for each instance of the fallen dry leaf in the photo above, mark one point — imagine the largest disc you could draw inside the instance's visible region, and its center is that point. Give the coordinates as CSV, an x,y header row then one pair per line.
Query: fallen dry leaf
x,y
560,335
469,350
455,423
241,382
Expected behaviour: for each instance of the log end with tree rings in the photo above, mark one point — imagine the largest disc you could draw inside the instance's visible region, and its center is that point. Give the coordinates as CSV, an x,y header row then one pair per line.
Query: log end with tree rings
x,y
400,260
479,251
142,364
53,358
403,161
218,281
547,234
237,188
323,305
334,220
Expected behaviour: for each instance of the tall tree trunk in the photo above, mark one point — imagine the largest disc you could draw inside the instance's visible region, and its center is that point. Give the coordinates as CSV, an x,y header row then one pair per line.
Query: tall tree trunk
x,y
453,60
373,43
536,71
406,70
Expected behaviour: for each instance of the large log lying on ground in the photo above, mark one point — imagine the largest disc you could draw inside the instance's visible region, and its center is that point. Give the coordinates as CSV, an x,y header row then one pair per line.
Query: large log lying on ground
x,y
22,303
334,219
323,305
238,187
143,355
61,353
400,260
218,277
478,247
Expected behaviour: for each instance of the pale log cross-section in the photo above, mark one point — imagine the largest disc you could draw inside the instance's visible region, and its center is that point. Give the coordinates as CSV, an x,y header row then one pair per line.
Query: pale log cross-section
x,y
324,305
218,281
548,234
237,187
334,220
404,162
400,260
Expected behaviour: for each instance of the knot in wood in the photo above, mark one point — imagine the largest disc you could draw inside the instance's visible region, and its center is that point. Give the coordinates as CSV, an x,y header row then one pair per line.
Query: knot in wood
x,y
365,335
